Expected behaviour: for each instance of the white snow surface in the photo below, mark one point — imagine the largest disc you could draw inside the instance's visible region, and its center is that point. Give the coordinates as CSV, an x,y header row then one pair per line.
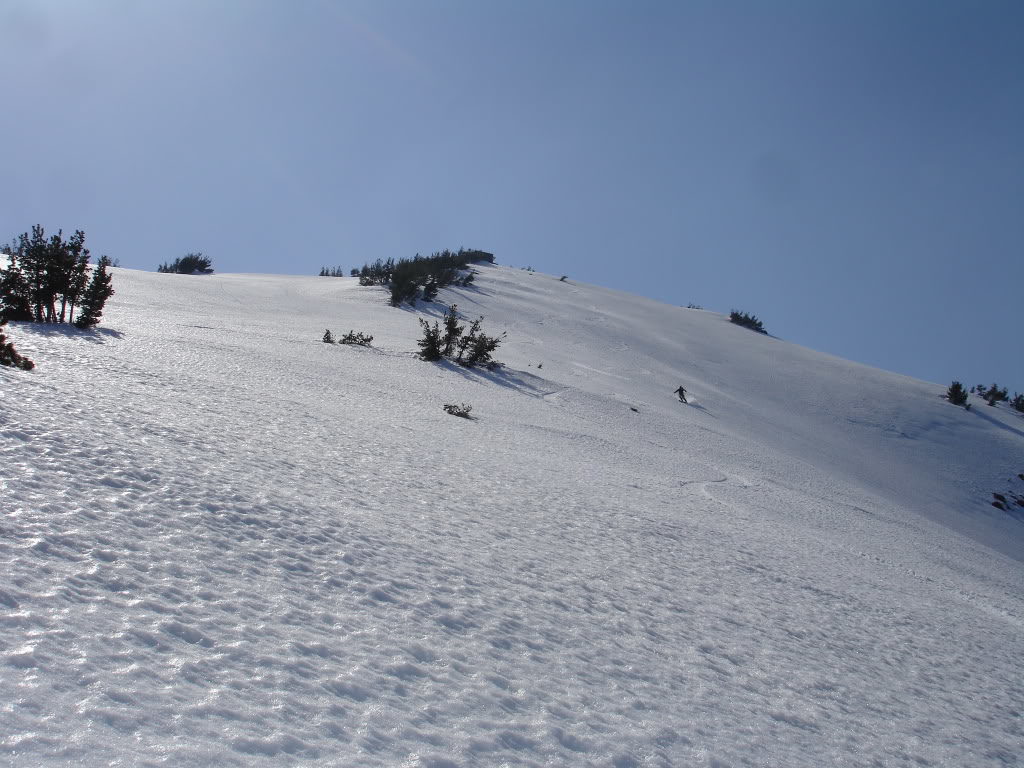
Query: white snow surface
x,y
225,542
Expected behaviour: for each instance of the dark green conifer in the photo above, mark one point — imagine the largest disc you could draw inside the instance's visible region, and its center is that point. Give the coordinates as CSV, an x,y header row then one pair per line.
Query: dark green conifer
x,y
956,394
430,344
9,355
96,295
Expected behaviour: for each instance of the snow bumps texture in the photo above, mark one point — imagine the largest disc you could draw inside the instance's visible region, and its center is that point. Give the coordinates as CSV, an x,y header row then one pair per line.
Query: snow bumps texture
x,y
227,543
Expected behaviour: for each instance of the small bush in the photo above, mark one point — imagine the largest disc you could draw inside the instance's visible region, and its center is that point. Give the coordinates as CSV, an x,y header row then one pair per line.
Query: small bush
x,y
747,321
357,338
956,394
328,337
9,355
459,410
189,264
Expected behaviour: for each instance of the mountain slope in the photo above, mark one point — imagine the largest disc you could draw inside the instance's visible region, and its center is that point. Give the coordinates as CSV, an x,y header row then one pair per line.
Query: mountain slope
x,y
229,543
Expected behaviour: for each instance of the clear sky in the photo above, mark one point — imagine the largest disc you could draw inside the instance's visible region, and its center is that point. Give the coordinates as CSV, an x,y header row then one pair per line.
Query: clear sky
x,y
851,172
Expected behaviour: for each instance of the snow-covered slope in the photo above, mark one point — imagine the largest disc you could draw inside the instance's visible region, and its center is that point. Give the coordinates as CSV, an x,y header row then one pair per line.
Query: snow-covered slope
x,y
226,543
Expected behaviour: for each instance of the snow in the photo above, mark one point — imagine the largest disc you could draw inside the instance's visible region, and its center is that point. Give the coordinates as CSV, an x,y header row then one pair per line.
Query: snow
x,y
226,543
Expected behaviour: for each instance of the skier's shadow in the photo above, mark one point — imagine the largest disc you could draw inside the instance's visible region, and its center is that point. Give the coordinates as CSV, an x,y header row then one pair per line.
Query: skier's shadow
x,y
700,407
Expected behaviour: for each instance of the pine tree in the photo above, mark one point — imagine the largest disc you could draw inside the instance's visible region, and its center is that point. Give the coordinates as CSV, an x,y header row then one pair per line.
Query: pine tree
x,y
15,303
994,394
79,275
328,337
44,273
430,290
96,295
467,340
430,344
9,355
956,394
480,350
452,329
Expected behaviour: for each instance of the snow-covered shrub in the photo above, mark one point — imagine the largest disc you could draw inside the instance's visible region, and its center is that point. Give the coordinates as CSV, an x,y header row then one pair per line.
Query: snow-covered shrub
x,y
458,410
358,338
956,394
9,355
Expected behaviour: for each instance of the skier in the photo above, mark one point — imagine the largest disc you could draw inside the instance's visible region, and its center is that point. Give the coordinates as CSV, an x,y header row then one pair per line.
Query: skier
x,y
682,394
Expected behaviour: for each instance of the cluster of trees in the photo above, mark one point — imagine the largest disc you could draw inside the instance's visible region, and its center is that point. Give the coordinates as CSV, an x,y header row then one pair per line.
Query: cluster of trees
x,y
422,276
996,394
466,346
336,272
357,338
48,278
1006,501
189,264
9,355
747,321
957,395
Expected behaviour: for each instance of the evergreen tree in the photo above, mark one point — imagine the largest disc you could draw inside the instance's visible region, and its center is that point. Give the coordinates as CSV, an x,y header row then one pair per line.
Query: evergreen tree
x,y
357,338
956,393
467,340
15,303
189,264
96,295
452,330
44,273
328,337
747,321
470,347
430,344
994,394
79,275
480,350
9,355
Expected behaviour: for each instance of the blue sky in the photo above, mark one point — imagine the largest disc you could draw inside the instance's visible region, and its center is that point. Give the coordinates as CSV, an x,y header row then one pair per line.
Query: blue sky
x,y
851,172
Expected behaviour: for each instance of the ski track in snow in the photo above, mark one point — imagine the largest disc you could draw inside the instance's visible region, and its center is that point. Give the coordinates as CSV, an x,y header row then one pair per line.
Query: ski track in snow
x,y
226,543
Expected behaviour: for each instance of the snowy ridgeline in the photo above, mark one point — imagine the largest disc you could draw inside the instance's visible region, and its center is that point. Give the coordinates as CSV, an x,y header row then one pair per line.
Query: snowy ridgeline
x,y
226,543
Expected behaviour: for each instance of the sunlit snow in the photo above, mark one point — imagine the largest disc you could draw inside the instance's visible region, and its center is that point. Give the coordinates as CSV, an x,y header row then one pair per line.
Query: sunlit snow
x,y
225,542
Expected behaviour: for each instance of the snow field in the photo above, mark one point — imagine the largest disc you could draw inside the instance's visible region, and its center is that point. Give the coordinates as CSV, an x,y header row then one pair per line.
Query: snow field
x,y
226,543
